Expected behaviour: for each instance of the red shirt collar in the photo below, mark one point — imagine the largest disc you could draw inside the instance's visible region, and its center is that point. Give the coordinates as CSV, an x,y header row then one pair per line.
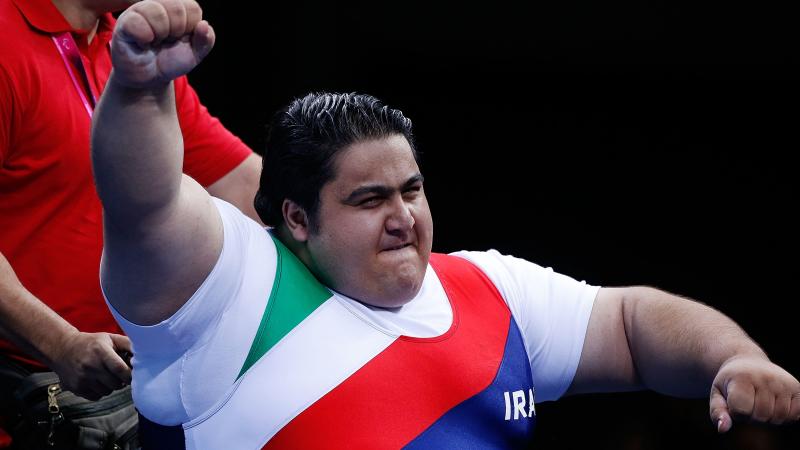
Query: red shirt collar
x,y
44,16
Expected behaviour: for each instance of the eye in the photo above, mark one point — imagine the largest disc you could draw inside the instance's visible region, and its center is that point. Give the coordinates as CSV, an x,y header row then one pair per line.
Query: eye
x,y
370,201
412,191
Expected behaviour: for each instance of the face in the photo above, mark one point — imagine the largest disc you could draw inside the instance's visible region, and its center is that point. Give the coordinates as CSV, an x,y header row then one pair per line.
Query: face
x,y
373,233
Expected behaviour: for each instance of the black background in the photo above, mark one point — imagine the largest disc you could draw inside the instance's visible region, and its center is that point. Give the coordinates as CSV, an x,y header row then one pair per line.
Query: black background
x,y
627,143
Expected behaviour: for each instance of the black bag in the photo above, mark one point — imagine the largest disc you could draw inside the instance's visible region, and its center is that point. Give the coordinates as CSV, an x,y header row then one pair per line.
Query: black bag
x,y
48,418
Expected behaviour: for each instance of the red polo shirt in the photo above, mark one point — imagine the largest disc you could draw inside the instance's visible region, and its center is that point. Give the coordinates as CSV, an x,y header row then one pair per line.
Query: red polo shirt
x,y
50,215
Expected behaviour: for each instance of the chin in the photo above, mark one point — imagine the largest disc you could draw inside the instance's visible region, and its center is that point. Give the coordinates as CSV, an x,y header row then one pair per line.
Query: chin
x,y
393,302
392,298
400,295
394,289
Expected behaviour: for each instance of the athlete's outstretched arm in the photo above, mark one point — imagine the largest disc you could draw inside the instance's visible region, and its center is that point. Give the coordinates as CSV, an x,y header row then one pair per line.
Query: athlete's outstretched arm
x,y
162,233
641,337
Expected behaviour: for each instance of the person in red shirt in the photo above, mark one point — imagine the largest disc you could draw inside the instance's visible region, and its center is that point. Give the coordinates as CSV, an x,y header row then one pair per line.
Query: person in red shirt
x,y
54,62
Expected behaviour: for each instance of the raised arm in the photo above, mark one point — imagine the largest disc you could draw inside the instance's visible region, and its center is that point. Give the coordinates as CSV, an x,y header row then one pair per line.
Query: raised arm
x,y
645,338
162,232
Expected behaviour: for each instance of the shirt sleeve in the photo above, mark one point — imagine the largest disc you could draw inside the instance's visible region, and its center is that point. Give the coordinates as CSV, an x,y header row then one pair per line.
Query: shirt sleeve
x,y
552,312
198,316
210,150
173,357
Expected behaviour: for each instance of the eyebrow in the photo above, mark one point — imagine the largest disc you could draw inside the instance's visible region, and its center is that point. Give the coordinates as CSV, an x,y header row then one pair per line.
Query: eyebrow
x,y
380,189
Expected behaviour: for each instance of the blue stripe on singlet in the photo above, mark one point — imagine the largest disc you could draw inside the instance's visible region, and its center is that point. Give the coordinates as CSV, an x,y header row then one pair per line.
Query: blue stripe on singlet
x,y
479,422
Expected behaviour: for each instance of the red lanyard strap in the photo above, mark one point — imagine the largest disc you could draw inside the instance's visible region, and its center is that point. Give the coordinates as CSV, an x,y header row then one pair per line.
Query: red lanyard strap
x,y
69,54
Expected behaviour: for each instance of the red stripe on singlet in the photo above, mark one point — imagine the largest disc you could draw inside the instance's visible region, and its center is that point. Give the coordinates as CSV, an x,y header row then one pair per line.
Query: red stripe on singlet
x,y
414,381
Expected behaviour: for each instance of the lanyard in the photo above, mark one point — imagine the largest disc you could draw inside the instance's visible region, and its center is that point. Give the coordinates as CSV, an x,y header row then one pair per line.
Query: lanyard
x,y
69,54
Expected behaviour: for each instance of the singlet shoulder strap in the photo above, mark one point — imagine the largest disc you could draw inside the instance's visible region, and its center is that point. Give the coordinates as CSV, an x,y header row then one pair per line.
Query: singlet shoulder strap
x,y
459,275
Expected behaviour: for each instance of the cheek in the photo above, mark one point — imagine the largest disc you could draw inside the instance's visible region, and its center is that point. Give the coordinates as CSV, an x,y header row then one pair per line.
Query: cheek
x,y
345,248
363,230
424,221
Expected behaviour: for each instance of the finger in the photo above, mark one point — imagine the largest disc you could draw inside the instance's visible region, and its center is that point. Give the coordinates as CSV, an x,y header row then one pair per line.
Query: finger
x,y
203,40
780,412
116,367
718,409
794,410
764,405
176,14
740,398
134,28
121,343
156,17
123,347
194,14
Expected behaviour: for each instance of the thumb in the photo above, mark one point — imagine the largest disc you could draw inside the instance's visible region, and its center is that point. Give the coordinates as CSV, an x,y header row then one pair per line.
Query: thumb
x,y
718,407
203,40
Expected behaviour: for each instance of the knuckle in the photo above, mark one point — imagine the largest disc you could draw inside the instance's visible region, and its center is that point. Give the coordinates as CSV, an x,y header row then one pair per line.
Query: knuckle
x,y
175,7
81,367
761,416
738,409
739,412
159,12
776,385
94,345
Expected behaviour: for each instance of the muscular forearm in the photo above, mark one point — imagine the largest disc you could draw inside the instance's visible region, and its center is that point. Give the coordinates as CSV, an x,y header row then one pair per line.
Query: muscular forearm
x,y
26,321
677,345
136,151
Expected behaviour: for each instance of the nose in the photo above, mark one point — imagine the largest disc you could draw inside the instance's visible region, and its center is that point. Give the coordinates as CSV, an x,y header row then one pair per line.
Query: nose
x,y
400,219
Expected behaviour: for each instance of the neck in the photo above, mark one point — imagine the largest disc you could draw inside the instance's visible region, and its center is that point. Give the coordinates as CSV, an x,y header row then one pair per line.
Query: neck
x,y
285,236
79,16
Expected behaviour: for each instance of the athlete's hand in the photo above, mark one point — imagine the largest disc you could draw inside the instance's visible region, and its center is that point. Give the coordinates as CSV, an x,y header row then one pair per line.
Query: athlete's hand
x,y
90,365
156,41
752,387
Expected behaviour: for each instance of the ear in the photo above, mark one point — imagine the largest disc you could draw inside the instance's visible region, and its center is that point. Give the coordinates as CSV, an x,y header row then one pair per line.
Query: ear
x,y
296,220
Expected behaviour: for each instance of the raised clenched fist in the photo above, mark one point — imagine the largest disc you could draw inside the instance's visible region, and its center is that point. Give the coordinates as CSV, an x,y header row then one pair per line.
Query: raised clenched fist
x,y
156,41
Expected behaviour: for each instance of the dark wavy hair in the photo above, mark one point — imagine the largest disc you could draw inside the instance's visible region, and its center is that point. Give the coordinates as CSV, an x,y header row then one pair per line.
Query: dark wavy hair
x,y
303,140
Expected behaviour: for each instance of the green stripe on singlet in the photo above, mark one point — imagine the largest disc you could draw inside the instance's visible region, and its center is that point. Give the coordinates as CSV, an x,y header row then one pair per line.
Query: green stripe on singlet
x,y
296,293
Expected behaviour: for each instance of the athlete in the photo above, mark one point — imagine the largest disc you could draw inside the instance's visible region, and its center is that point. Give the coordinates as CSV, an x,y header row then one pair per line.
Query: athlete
x,y
339,327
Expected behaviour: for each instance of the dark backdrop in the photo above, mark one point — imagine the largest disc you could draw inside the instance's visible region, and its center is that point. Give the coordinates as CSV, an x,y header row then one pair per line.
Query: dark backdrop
x,y
627,143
